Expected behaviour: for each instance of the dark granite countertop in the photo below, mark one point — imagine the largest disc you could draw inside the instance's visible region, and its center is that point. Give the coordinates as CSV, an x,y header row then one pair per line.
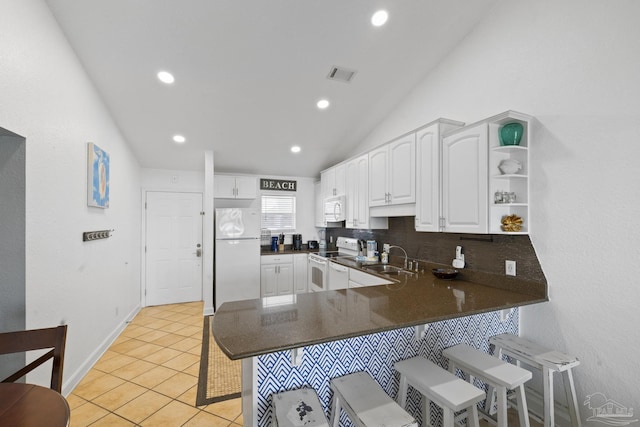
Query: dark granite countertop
x,y
259,326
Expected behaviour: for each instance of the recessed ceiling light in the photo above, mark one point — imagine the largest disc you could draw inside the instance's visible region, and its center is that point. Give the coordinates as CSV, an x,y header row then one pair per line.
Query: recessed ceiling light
x,y
166,77
295,149
322,104
179,139
379,18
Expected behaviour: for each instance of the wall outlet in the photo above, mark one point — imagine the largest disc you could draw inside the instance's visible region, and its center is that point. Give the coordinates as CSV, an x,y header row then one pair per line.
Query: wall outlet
x,y
385,247
510,268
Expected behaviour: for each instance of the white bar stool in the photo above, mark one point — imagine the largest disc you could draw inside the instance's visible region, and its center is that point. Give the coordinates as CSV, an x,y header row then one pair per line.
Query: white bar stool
x,y
440,387
296,408
500,375
549,362
366,403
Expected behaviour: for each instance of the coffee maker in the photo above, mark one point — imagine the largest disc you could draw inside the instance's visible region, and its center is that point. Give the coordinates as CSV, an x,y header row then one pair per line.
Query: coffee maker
x,y
297,242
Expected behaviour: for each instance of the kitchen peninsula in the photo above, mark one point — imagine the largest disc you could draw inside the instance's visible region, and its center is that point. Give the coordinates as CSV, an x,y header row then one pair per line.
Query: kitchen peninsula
x,y
306,339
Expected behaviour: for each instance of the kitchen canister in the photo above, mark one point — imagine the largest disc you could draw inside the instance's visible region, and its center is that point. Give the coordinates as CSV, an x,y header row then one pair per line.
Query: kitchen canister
x,y
510,133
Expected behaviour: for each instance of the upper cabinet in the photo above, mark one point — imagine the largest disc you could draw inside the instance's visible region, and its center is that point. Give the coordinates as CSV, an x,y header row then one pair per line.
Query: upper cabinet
x,y
428,182
392,173
451,177
357,196
334,181
464,180
319,205
235,187
485,178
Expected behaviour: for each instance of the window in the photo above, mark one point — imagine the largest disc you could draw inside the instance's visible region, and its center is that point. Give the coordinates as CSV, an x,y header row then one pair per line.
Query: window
x,y
279,213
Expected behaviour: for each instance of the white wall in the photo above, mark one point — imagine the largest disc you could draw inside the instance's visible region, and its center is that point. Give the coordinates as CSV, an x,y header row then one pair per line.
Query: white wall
x,y
305,205
172,180
47,98
575,66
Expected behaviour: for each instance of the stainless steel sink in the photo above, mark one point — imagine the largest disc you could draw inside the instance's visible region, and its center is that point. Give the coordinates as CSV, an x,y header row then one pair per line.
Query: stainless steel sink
x,y
387,269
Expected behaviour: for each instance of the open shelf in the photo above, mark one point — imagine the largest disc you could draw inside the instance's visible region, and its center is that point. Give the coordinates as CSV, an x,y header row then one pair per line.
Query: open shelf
x,y
518,183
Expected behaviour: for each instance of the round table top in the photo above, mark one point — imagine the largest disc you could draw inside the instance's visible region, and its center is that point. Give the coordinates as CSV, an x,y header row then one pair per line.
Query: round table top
x,y
26,405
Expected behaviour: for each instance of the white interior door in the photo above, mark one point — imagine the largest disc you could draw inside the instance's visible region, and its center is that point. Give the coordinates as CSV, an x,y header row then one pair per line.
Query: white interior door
x,y
173,247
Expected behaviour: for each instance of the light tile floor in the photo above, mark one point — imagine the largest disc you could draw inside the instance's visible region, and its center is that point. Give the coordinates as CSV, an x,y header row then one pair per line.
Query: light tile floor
x,y
149,376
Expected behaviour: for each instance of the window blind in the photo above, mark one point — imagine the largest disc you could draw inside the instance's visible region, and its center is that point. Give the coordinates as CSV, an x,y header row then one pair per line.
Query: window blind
x,y
279,213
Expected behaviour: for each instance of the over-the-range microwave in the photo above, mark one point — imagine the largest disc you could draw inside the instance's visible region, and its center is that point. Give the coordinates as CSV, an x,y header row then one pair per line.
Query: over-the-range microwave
x,y
334,209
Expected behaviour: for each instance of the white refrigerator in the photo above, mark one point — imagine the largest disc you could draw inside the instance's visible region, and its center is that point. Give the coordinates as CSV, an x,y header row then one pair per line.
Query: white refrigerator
x,y
237,255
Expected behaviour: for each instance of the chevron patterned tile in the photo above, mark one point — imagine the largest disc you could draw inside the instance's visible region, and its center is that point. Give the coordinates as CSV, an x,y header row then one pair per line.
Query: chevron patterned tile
x,y
376,355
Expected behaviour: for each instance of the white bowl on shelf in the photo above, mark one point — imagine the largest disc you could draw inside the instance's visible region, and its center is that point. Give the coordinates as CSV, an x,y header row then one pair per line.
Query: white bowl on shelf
x,y
509,166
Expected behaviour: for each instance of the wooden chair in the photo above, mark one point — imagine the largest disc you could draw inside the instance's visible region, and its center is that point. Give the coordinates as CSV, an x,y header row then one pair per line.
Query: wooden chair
x,y
37,339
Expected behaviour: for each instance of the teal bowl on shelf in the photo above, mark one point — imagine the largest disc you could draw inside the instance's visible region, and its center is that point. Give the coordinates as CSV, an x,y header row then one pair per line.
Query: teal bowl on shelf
x,y
510,134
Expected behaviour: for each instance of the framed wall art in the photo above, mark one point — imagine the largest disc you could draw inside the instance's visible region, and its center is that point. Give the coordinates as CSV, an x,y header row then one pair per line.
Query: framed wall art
x,y
97,176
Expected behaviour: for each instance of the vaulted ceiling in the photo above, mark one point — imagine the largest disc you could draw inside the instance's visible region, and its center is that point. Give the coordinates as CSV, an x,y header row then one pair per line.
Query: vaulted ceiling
x,y
248,73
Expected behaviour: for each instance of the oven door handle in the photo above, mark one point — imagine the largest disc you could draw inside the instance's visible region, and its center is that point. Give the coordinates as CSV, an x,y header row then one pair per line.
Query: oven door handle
x,y
318,261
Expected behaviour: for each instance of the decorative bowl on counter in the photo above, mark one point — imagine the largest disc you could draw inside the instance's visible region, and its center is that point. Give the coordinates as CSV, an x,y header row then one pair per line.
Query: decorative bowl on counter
x,y
445,273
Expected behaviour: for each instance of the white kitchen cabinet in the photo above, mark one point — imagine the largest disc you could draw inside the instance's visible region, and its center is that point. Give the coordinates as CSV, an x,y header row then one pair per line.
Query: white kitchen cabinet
x,y
333,181
319,205
378,176
300,264
276,275
357,196
471,177
392,173
235,187
428,143
465,181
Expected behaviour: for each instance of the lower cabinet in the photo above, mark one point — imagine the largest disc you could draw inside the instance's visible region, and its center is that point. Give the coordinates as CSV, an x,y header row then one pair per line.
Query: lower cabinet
x,y
276,275
283,274
300,264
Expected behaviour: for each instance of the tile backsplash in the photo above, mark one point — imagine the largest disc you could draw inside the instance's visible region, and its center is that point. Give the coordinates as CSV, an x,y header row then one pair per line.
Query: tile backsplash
x,y
483,252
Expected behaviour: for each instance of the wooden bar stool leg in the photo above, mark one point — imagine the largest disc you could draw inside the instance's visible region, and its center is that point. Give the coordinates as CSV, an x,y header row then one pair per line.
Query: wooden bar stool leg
x,y
523,410
570,390
402,391
426,411
447,417
472,418
502,406
452,367
335,411
491,400
547,381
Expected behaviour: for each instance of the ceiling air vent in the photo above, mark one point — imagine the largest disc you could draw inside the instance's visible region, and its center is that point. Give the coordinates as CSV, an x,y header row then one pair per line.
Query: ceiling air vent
x,y
341,74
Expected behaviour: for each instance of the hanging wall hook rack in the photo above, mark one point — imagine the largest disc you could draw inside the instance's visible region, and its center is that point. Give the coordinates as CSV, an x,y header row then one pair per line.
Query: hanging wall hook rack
x,y
96,235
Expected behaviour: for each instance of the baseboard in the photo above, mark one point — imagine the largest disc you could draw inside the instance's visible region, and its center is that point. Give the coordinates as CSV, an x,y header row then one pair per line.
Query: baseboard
x,y
72,382
208,311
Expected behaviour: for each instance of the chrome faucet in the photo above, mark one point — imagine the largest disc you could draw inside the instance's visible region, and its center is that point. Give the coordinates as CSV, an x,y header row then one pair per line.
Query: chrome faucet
x,y
406,258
